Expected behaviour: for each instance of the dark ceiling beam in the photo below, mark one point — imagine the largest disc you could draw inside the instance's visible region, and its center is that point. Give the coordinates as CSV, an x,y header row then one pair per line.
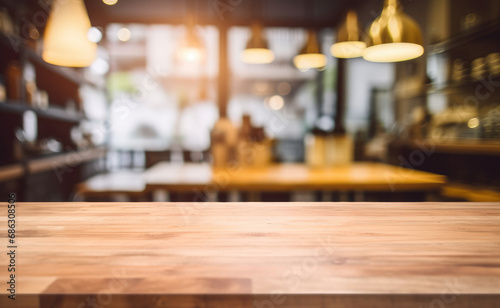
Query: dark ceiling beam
x,y
102,18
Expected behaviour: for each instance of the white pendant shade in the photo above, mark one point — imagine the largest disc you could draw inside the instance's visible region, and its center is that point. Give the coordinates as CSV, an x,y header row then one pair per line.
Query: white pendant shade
x,y
65,40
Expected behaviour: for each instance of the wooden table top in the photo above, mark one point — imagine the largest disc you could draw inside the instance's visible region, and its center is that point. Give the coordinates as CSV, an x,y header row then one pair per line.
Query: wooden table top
x,y
234,254
121,181
364,176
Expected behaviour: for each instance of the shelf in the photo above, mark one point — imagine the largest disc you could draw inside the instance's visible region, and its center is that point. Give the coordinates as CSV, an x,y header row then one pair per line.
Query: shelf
x,y
478,147
69,159
54,161
450,88
11,172
469,86
52,113
464,38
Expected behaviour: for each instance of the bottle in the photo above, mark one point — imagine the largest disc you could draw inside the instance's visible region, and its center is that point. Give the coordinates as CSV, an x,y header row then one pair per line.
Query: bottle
x,y
3,92
315,148
246,149
14,73
6,24
224,138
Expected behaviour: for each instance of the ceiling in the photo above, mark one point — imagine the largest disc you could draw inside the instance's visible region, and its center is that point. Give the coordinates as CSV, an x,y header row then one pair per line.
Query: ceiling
x,y
275,13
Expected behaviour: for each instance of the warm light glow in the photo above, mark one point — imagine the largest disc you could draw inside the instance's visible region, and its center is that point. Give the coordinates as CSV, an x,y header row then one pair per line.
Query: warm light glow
x,y
309,60
65,40
393,52
191,49
110,2
257,56
124,34
276,102
349,49
473,123
190,54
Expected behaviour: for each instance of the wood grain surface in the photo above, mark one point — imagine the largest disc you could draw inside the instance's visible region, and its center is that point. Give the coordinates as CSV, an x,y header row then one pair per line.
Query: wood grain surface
x,y
255,255
284,177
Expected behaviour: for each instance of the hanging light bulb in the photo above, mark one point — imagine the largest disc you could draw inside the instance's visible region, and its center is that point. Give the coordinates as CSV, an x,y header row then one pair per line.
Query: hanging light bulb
x,y
393,36
191,49
65,40
257,51
310,56
349,43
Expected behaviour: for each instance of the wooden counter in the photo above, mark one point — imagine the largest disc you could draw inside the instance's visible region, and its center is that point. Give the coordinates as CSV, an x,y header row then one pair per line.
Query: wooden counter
x,y
286,177
255,255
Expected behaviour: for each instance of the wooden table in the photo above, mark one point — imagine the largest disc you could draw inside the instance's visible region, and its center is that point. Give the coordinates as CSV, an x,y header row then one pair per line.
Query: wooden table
x,y
290,177
116,184
255,255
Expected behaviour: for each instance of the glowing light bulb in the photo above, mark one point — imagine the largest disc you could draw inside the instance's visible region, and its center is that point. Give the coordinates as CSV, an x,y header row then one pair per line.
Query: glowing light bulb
x,y
124,34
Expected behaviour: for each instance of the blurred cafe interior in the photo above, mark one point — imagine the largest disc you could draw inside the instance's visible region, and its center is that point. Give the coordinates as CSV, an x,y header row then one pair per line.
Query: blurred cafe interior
x,y
262,100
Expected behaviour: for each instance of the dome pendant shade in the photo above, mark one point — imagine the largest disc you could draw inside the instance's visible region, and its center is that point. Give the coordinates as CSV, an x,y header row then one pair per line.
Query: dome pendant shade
x,y
310,56
393,36
257,50
65,39
349,43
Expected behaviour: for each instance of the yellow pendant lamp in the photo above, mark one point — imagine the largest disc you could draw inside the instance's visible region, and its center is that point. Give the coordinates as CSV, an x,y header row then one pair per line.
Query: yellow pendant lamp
x,y
310,56
257,50
65,38
349,42
393,36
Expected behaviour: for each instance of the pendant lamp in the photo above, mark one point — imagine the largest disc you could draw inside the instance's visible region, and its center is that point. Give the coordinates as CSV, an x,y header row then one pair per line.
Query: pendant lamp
x,y
393,36
191,48
349,42
310,56
65,39
257,50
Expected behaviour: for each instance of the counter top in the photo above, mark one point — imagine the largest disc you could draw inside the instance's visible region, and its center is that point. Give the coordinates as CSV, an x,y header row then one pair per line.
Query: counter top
x,y
250,254
362,176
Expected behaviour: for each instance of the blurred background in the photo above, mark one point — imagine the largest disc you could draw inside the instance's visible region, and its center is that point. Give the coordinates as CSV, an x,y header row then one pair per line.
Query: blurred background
x,y
186,82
